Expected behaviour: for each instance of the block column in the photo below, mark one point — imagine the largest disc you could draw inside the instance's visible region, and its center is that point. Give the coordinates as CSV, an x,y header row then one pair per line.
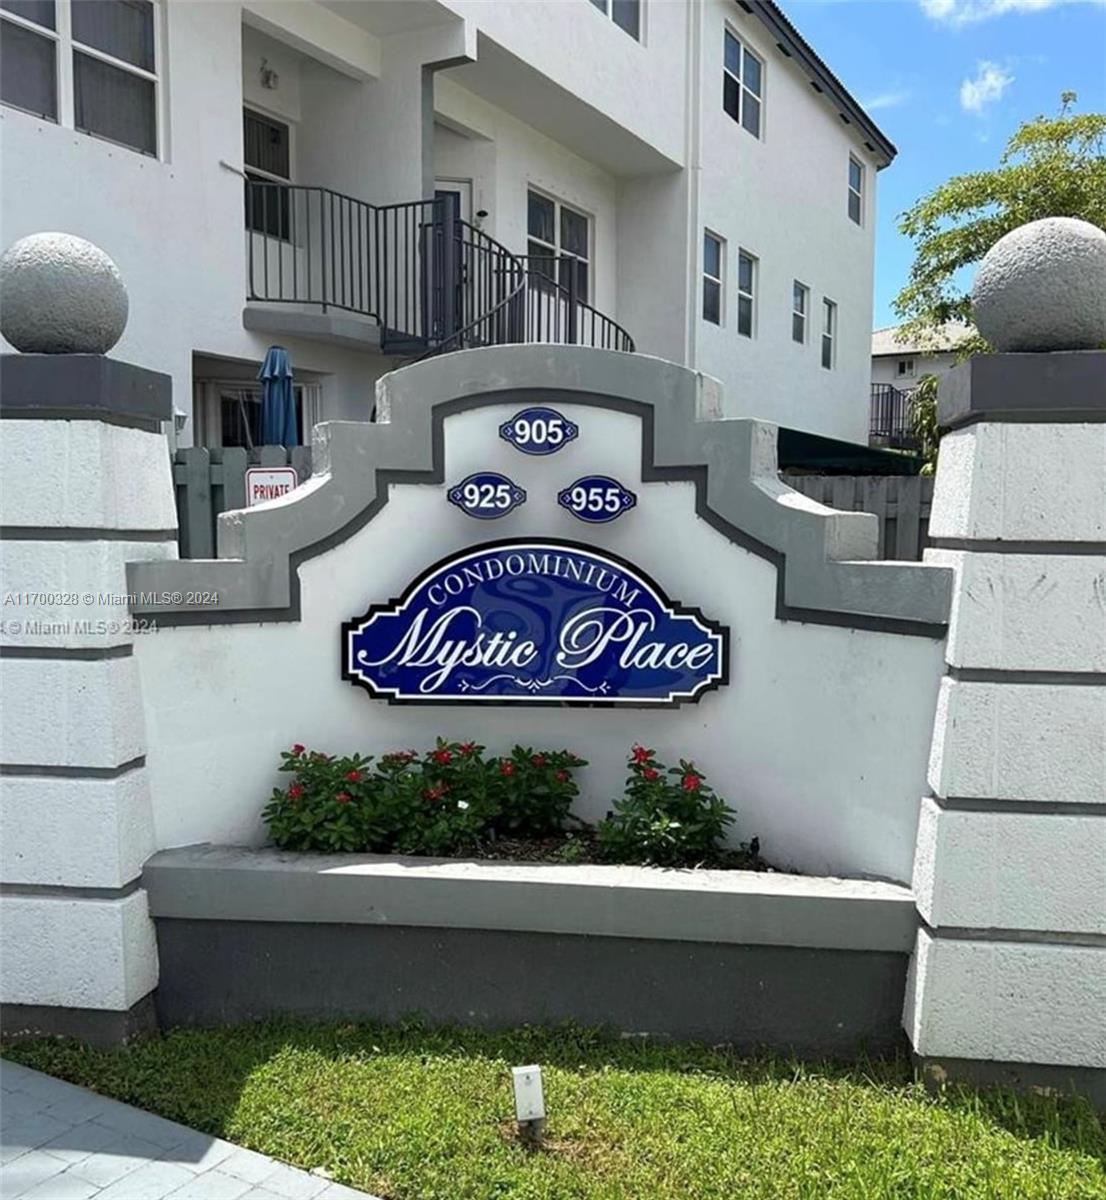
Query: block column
x,y
1008,979
86,487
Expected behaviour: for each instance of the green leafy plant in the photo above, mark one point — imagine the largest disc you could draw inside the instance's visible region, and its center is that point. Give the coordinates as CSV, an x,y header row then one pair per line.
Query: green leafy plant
x,y
669,816
533,791
327,804
923,421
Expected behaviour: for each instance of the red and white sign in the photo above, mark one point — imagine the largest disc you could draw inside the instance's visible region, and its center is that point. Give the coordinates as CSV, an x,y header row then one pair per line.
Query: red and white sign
x,y
268,483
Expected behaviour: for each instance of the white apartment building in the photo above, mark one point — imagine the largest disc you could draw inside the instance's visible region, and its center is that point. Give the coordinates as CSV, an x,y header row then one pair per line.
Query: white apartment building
x,y
365,181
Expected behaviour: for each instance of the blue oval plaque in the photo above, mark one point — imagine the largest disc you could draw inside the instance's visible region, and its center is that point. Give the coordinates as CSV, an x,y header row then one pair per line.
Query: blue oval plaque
x,y
596,499
534,621
539,430
486,495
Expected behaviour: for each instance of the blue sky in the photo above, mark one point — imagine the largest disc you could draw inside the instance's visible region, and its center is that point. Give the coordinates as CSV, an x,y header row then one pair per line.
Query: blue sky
x,y
949,81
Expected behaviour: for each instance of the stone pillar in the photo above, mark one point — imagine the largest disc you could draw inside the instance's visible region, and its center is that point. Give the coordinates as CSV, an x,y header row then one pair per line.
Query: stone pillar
x,y
86,487
1008,979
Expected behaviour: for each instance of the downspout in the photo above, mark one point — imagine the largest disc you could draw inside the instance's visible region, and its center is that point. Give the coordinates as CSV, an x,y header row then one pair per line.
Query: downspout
x,y
693,85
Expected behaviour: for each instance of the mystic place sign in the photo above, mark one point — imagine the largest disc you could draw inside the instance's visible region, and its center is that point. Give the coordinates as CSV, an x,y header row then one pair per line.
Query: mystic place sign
x,y
535,621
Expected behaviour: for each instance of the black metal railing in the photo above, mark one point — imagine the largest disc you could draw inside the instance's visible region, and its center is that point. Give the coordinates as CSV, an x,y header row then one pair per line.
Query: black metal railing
x,y
431,281
889,418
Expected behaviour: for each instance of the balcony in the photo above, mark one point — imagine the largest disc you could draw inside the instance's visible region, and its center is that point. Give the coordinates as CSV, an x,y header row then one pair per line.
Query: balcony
x,y
889,418
409,279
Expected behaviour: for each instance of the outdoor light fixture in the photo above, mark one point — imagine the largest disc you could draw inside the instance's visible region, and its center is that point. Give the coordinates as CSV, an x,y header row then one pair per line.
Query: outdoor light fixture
x,y
180,420
269,78
529,1103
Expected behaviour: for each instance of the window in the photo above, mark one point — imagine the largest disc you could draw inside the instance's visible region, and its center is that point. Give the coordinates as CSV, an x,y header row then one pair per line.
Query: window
x,y
746,292
714,260
906,366
856,190
800,302
558,243
267,159
829,332
626,14
103,60
742,74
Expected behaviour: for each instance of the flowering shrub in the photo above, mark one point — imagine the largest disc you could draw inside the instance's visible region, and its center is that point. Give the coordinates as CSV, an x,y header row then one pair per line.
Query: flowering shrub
x,y
669,816
325,805
443,802
533,791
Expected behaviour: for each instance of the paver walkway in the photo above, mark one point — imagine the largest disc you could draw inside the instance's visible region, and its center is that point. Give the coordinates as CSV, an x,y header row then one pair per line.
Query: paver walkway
x,y
60,1142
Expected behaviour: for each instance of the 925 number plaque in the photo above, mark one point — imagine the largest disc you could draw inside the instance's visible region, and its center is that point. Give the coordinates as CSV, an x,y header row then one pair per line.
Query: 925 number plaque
x,y
486,495
539,430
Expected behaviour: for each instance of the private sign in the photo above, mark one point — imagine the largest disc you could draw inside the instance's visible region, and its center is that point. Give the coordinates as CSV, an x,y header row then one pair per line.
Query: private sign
x,y
269,483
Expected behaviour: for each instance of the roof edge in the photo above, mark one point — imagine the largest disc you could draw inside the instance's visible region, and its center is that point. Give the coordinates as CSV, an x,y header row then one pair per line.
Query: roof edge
x,y
795,46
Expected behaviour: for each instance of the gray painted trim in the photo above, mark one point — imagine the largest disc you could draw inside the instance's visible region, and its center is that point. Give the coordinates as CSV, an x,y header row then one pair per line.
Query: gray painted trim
x,y
938,1072
1001,547
1041,937
61,533
994,675
86,387
56,772
227,883
1056,808
338,329
822,556
101,1027
817,1003
86,653
57,891
1062,386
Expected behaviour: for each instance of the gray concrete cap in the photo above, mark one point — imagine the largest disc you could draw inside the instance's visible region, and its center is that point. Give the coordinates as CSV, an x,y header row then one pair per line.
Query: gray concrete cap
x,y
61,295
1043,287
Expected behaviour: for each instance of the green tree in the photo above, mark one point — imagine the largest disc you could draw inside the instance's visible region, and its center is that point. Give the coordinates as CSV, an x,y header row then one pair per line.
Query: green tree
x,y
1051,167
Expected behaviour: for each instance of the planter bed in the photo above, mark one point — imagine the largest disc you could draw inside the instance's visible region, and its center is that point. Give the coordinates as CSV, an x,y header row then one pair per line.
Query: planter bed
x,y
813,965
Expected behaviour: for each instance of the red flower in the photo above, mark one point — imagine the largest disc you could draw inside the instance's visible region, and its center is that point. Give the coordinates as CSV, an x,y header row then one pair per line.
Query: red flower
x,y
467,749
298,749
641,755
506,767
343,797
295,792
562,777
354,776
436,792
537,760
651,773
691,783
442,756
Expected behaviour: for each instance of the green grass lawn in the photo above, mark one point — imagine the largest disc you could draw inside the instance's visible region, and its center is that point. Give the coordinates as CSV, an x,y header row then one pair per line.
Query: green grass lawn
x,y
418,1114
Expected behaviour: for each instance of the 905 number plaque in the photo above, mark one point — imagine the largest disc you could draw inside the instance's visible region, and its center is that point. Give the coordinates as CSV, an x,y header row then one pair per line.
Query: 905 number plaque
x,y
539,431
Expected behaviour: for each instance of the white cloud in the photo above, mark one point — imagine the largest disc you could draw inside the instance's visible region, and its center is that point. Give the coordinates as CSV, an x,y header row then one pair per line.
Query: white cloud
x,y
968,12
987,87
886,100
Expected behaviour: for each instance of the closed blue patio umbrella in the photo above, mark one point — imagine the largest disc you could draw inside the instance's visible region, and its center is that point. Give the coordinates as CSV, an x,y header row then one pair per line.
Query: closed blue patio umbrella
x,y
278,405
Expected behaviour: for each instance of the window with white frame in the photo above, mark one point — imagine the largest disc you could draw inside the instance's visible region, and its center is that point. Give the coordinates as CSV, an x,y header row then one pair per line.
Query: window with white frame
x,y
906,366
266,156
856,191
714,267
558,243
742,81
89,65
626,14
800,304
746,292
829,333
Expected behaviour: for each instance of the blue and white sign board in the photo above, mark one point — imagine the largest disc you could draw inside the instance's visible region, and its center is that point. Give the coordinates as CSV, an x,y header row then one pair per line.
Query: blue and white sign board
x,y
535,620
539,430
487,495
596,499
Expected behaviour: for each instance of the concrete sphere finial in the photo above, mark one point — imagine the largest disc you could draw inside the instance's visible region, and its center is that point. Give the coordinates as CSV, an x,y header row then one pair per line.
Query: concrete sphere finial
x,y
1043,287
60,295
